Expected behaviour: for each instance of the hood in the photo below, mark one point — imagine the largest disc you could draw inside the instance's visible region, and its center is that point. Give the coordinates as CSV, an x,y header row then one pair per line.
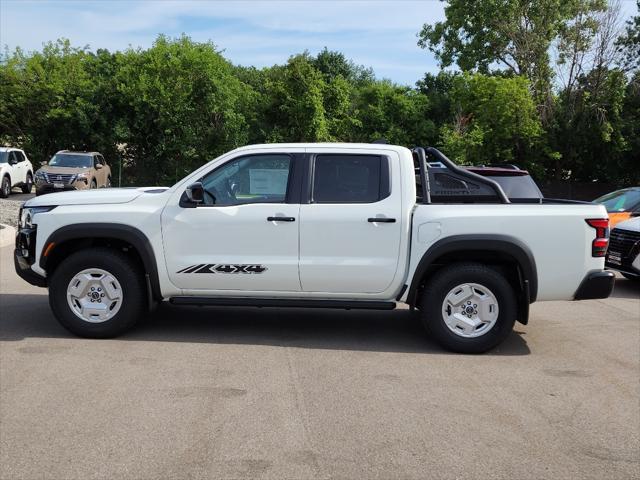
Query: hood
x,y
64,170
93,197
632,224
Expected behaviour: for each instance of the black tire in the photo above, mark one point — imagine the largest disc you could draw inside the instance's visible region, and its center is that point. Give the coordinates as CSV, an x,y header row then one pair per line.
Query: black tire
x,y
5,187
634,278
93,184
126,273
28,185
448,278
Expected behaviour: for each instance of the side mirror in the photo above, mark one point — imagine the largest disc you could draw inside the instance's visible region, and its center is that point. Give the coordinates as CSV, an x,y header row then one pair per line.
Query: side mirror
x,y
195,193
98,166
13,160
45,163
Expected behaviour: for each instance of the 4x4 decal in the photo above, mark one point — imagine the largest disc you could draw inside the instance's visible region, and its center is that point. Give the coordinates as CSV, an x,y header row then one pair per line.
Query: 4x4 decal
x,y
223,268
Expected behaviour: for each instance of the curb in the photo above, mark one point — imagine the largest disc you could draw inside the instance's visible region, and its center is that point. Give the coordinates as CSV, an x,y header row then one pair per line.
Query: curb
x,y
7,235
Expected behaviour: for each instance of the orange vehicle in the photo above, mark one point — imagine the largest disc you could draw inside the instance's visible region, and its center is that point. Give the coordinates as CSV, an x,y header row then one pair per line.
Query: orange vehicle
x,y
621,204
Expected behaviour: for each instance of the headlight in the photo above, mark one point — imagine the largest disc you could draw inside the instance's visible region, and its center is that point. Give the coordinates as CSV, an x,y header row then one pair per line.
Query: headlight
x,y
83,176
26,215
40,174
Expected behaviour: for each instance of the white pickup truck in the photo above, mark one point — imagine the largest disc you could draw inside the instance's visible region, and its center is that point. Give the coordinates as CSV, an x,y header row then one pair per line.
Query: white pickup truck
x,y
317,225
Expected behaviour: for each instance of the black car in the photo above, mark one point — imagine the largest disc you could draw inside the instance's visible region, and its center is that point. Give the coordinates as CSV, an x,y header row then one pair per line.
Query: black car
x,y
623,253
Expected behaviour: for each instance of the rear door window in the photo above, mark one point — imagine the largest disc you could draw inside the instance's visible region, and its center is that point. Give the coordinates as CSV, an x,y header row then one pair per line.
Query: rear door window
x,y
339,178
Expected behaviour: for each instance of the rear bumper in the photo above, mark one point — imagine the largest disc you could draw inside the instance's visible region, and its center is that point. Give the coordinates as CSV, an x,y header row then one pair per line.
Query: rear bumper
x,y
596,285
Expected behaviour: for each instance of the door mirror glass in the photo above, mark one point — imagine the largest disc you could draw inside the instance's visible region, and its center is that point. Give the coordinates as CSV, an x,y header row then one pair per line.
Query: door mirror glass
x,y
195,193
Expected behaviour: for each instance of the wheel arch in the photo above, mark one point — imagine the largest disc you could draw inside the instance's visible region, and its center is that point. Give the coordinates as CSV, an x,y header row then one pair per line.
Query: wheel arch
x,y
499,250
70,237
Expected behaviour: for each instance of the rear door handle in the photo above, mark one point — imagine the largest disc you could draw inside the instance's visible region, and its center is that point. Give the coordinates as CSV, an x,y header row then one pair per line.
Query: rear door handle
x,y
281,219
382,220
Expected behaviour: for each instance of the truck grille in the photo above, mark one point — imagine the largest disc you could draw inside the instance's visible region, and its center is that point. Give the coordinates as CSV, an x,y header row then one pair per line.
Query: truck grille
x,y
622,241
65,178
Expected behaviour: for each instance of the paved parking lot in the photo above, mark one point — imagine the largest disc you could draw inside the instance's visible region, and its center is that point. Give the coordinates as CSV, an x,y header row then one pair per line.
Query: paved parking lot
x,y
207,393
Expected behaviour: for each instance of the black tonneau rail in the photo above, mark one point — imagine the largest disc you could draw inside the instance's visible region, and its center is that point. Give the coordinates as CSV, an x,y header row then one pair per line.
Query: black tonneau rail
x,y
564,200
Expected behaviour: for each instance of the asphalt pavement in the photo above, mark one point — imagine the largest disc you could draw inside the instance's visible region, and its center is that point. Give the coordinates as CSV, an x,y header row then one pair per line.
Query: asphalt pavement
x,y
271,393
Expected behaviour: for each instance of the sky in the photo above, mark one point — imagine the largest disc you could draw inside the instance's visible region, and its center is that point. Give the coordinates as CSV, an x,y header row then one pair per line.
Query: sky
x,y
376,33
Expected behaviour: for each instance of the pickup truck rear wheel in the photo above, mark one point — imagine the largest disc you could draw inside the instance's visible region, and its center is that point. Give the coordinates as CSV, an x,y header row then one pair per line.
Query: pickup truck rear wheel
x,y
468,307
97,293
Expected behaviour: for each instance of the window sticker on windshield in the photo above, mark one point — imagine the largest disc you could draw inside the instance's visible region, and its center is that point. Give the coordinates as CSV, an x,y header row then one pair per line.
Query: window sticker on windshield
x,y
268,181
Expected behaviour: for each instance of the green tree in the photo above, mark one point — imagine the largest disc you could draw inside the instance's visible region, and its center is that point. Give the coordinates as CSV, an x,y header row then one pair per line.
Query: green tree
x,y
58,98
398,114
629,43
295,102
495,121
516,34
182,106
594,124
334,64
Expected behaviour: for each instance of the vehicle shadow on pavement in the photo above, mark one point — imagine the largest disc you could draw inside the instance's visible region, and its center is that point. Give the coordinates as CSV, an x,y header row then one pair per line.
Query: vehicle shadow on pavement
x,y
625,288
25,316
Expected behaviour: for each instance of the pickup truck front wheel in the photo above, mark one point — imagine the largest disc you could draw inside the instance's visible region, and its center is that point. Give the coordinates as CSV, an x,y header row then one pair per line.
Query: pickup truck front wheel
x,y
97,293
468,307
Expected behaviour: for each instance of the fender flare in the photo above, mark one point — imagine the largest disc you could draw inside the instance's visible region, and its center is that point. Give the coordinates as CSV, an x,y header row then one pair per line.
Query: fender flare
x,y
115,231
504,244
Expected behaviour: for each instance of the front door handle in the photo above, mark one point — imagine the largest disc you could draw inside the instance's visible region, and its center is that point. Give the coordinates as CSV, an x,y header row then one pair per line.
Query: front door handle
x,y
281,219
382,220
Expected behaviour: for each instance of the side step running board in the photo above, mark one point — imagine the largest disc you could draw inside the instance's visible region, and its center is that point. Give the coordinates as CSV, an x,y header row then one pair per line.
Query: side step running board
x,y
277,302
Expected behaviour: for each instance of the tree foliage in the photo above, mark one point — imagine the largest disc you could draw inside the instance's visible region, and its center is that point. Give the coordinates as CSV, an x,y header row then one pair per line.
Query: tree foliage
x,y
495,120
163,111
516,34
629,43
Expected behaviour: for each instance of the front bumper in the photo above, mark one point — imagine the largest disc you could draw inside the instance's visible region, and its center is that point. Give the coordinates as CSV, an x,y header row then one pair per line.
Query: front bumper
x,y
24,256
43,186
596,285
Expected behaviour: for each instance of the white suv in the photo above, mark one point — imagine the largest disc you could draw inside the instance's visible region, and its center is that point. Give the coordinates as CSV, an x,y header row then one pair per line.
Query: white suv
x,y
15,171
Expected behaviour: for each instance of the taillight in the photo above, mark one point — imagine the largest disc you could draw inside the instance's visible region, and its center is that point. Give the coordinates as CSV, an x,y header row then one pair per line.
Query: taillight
x,y
599,245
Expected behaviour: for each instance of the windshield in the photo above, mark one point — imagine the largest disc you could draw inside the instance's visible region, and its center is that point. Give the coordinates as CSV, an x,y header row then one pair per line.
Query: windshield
x,y
71,160
620,201
4,157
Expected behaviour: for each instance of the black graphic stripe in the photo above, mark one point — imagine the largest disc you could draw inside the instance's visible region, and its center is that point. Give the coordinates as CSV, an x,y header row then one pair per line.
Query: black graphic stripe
x,y
204,269
191,268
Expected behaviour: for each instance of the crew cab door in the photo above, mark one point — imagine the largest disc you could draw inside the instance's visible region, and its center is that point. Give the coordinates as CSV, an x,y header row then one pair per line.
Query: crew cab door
x,y
244,237
350,229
